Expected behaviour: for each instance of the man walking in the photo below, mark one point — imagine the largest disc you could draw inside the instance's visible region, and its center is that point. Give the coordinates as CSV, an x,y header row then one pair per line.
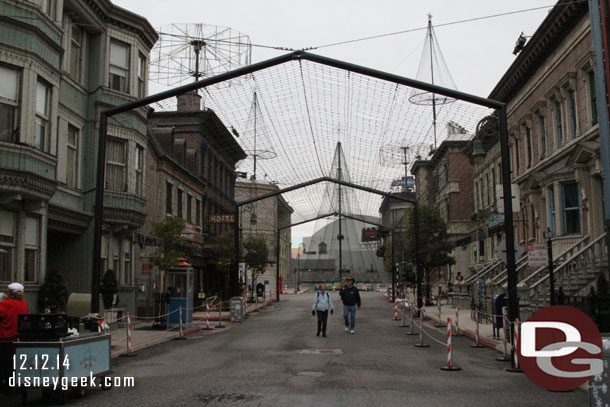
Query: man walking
x,y
351,299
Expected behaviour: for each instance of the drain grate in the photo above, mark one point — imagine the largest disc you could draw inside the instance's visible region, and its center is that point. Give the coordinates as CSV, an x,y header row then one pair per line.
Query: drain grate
x,y
321,352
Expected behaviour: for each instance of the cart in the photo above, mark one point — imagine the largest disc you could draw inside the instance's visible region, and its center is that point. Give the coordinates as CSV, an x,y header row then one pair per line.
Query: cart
x,y
47,358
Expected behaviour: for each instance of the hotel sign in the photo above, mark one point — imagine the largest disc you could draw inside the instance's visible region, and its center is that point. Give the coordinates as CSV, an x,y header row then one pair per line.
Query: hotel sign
x,y
221,219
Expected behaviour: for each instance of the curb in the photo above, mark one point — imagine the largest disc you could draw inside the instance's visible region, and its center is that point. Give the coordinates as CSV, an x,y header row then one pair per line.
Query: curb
x,y
490,343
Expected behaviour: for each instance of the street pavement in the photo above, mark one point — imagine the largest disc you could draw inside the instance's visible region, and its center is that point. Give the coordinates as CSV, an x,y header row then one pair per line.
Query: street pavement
x,y
275,359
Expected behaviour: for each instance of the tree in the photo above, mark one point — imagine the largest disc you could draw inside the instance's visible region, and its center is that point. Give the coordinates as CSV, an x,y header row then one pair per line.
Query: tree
x,y
433,243
168,232
53,294
226,253
109,288
257,256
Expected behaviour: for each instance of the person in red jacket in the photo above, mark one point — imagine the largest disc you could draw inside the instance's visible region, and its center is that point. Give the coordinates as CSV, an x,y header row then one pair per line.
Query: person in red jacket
x,y
10,309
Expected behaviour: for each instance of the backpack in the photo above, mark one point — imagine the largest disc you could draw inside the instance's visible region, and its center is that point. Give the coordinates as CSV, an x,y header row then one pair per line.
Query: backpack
x,y
318,296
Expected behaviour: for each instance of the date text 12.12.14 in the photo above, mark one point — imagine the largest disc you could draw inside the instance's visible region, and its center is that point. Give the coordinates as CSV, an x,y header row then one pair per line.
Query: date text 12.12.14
x,y
40,362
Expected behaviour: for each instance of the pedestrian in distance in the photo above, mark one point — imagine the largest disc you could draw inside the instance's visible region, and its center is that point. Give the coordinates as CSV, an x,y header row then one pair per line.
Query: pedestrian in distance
x,y
322,304
351,299
10,309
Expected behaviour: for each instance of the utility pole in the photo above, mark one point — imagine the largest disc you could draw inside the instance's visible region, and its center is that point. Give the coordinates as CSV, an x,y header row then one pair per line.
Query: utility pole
x,y
405,150
340,236
598,14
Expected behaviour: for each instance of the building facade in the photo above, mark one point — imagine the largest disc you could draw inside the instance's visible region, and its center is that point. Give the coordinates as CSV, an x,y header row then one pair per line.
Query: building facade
x,y
263,218
61,63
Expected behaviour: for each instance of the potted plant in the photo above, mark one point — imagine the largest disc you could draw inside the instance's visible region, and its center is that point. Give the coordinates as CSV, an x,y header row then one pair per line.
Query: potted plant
x,y
109,290
53,295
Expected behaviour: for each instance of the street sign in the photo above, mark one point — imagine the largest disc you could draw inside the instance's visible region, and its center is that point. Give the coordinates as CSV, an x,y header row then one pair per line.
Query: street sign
x,y
501,251
221,219
514,189
537,255
494,220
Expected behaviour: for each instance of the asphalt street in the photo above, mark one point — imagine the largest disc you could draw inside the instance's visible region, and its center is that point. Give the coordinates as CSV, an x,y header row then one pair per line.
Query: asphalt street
x,y
275,359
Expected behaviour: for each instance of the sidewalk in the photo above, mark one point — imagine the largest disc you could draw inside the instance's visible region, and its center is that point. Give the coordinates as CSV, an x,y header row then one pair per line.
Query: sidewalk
x,y
144,336
467,325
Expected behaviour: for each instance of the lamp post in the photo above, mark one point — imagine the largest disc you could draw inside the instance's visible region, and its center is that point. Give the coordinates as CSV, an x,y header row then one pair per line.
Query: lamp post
x,y
548,235
299,263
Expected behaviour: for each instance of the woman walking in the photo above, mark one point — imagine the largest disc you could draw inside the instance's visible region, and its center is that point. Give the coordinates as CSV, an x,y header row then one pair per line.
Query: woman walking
x,y
321,305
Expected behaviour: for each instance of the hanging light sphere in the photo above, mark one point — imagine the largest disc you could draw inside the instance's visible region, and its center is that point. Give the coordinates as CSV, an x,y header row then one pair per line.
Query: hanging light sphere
x,y
253,218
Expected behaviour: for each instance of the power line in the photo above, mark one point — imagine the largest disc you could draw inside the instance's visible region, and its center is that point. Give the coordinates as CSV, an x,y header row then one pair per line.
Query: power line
x,y
436,26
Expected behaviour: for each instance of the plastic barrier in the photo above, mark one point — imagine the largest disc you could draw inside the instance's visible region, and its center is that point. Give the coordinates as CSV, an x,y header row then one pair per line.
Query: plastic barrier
x,y
515,368
457,322
207,317
476,333
450,366
395,311
440,318
504,357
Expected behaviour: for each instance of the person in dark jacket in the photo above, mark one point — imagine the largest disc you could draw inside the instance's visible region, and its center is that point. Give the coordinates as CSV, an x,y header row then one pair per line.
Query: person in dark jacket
x,y
351,299
10,309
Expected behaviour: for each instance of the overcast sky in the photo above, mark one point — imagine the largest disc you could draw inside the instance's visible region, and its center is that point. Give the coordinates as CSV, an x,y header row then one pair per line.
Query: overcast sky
x,y
477,52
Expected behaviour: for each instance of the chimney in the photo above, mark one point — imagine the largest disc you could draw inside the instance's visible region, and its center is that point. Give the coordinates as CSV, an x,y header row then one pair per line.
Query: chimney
x,y
189,102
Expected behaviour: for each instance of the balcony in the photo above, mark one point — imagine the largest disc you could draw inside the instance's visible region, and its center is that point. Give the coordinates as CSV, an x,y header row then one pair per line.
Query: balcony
x,y
27,172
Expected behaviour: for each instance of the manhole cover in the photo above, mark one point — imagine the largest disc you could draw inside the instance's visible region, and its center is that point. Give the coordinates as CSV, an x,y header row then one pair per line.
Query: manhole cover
x,y
310,374
321,352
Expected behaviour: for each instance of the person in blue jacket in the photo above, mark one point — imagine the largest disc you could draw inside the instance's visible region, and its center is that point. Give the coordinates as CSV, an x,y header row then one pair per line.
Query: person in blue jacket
x,y
322,304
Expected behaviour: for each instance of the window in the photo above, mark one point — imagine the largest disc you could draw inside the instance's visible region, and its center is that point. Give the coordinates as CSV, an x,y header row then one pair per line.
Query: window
x,y
189,208
551,208
72,157
119,66
528,141
542,136
198,213
593,97
126,280
487,186
570,208
139,162
115,250
7,244
476,195
32,248
47,7
517,154
179,203
116,158
168,198
494,182
559,128
141,76
9,103
76,44
43,98
572,106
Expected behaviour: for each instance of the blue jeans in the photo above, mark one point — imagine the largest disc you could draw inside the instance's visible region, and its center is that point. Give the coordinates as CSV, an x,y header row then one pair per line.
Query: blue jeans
x,y
349,315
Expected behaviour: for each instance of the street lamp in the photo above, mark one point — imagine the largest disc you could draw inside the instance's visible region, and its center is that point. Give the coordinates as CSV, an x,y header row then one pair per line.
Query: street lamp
x,y
302,244
548,235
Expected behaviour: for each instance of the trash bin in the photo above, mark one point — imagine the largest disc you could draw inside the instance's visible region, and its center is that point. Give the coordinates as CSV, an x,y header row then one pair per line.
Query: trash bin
x,y
499,301
598,385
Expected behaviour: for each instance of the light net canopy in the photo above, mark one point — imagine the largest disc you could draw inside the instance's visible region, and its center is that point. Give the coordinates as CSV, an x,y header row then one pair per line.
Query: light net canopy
x,y
304,108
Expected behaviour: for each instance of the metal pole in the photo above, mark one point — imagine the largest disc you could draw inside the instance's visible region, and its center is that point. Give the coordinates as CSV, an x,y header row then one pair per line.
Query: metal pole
x,y
98,214
513,301
549,246
599,46
234,276
418,267
277,268
340,237
392,267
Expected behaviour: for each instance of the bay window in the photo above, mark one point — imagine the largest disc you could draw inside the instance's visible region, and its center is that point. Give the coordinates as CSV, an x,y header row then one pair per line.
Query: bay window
x,y
72,157
7,244
42,120
119,66
116,159
9,103
76,43
570,208
32,248
139,170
